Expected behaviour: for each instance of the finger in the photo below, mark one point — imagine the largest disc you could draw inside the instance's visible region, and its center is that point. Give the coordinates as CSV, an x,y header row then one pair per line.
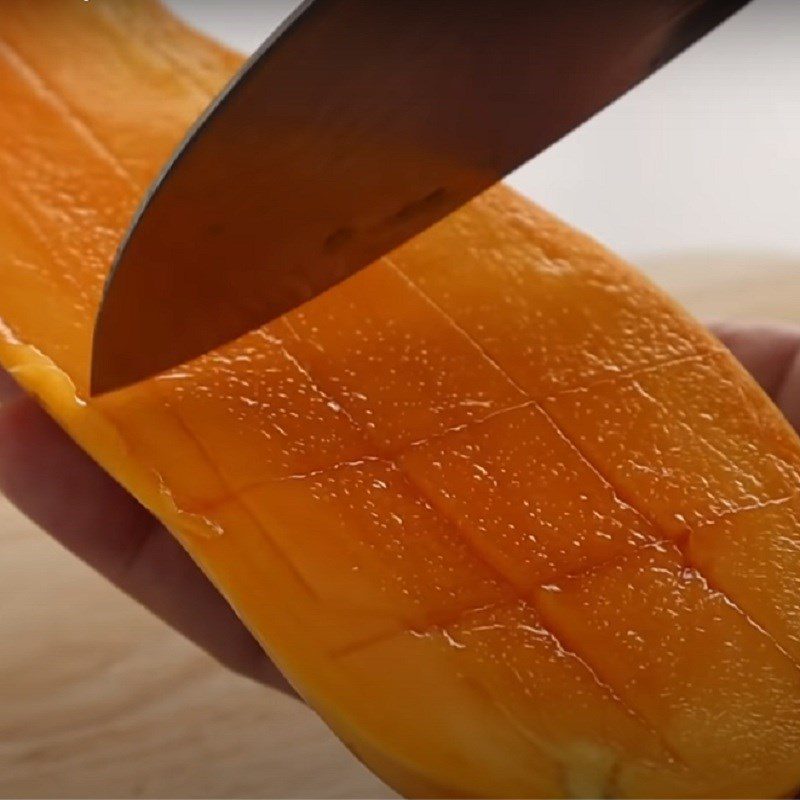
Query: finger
x,y
60,488
771,353
788,395
766,351
9,389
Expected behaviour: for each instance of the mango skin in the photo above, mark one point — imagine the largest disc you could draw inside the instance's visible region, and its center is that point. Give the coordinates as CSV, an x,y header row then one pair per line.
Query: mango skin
x,y
509,519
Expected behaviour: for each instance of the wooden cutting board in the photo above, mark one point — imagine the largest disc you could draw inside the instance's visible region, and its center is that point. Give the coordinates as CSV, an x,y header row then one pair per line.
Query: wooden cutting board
x,y
98,699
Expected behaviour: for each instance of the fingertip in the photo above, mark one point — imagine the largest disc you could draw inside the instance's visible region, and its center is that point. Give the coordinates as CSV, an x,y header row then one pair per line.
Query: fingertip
x,y
765,350
787,395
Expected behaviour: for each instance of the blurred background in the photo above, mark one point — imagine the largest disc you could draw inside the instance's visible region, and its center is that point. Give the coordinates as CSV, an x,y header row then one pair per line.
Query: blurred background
x,y
694,177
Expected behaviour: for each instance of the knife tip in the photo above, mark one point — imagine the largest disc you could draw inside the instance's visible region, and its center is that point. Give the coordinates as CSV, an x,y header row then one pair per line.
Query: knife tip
x,y
118,351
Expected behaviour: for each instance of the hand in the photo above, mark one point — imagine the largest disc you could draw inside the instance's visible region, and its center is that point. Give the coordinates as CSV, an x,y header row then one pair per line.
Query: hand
x,y
48,477
771,354
92,516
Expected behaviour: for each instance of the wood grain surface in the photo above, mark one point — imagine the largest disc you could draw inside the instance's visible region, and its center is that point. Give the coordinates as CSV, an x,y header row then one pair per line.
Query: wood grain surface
x,y
98,699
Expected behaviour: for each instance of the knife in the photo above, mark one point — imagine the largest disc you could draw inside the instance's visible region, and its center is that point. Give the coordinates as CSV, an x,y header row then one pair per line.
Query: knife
x,y
357,125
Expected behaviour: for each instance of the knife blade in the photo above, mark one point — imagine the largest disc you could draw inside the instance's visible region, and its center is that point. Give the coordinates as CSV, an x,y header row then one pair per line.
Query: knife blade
x,y
357,125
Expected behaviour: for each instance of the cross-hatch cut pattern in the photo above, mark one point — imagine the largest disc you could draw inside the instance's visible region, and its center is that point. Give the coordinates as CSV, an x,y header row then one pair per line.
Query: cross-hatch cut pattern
x,y
243,502
734,512
18,207
204,91
316,386
699,357
73,119
390,456
80,125
621,494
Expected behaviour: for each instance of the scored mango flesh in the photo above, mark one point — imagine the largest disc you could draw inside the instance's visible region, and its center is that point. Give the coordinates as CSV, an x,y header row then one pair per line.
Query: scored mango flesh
x,y
508,519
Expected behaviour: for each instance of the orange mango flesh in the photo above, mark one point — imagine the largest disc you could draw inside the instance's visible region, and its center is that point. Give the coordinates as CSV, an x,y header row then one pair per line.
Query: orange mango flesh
x,y
508,519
